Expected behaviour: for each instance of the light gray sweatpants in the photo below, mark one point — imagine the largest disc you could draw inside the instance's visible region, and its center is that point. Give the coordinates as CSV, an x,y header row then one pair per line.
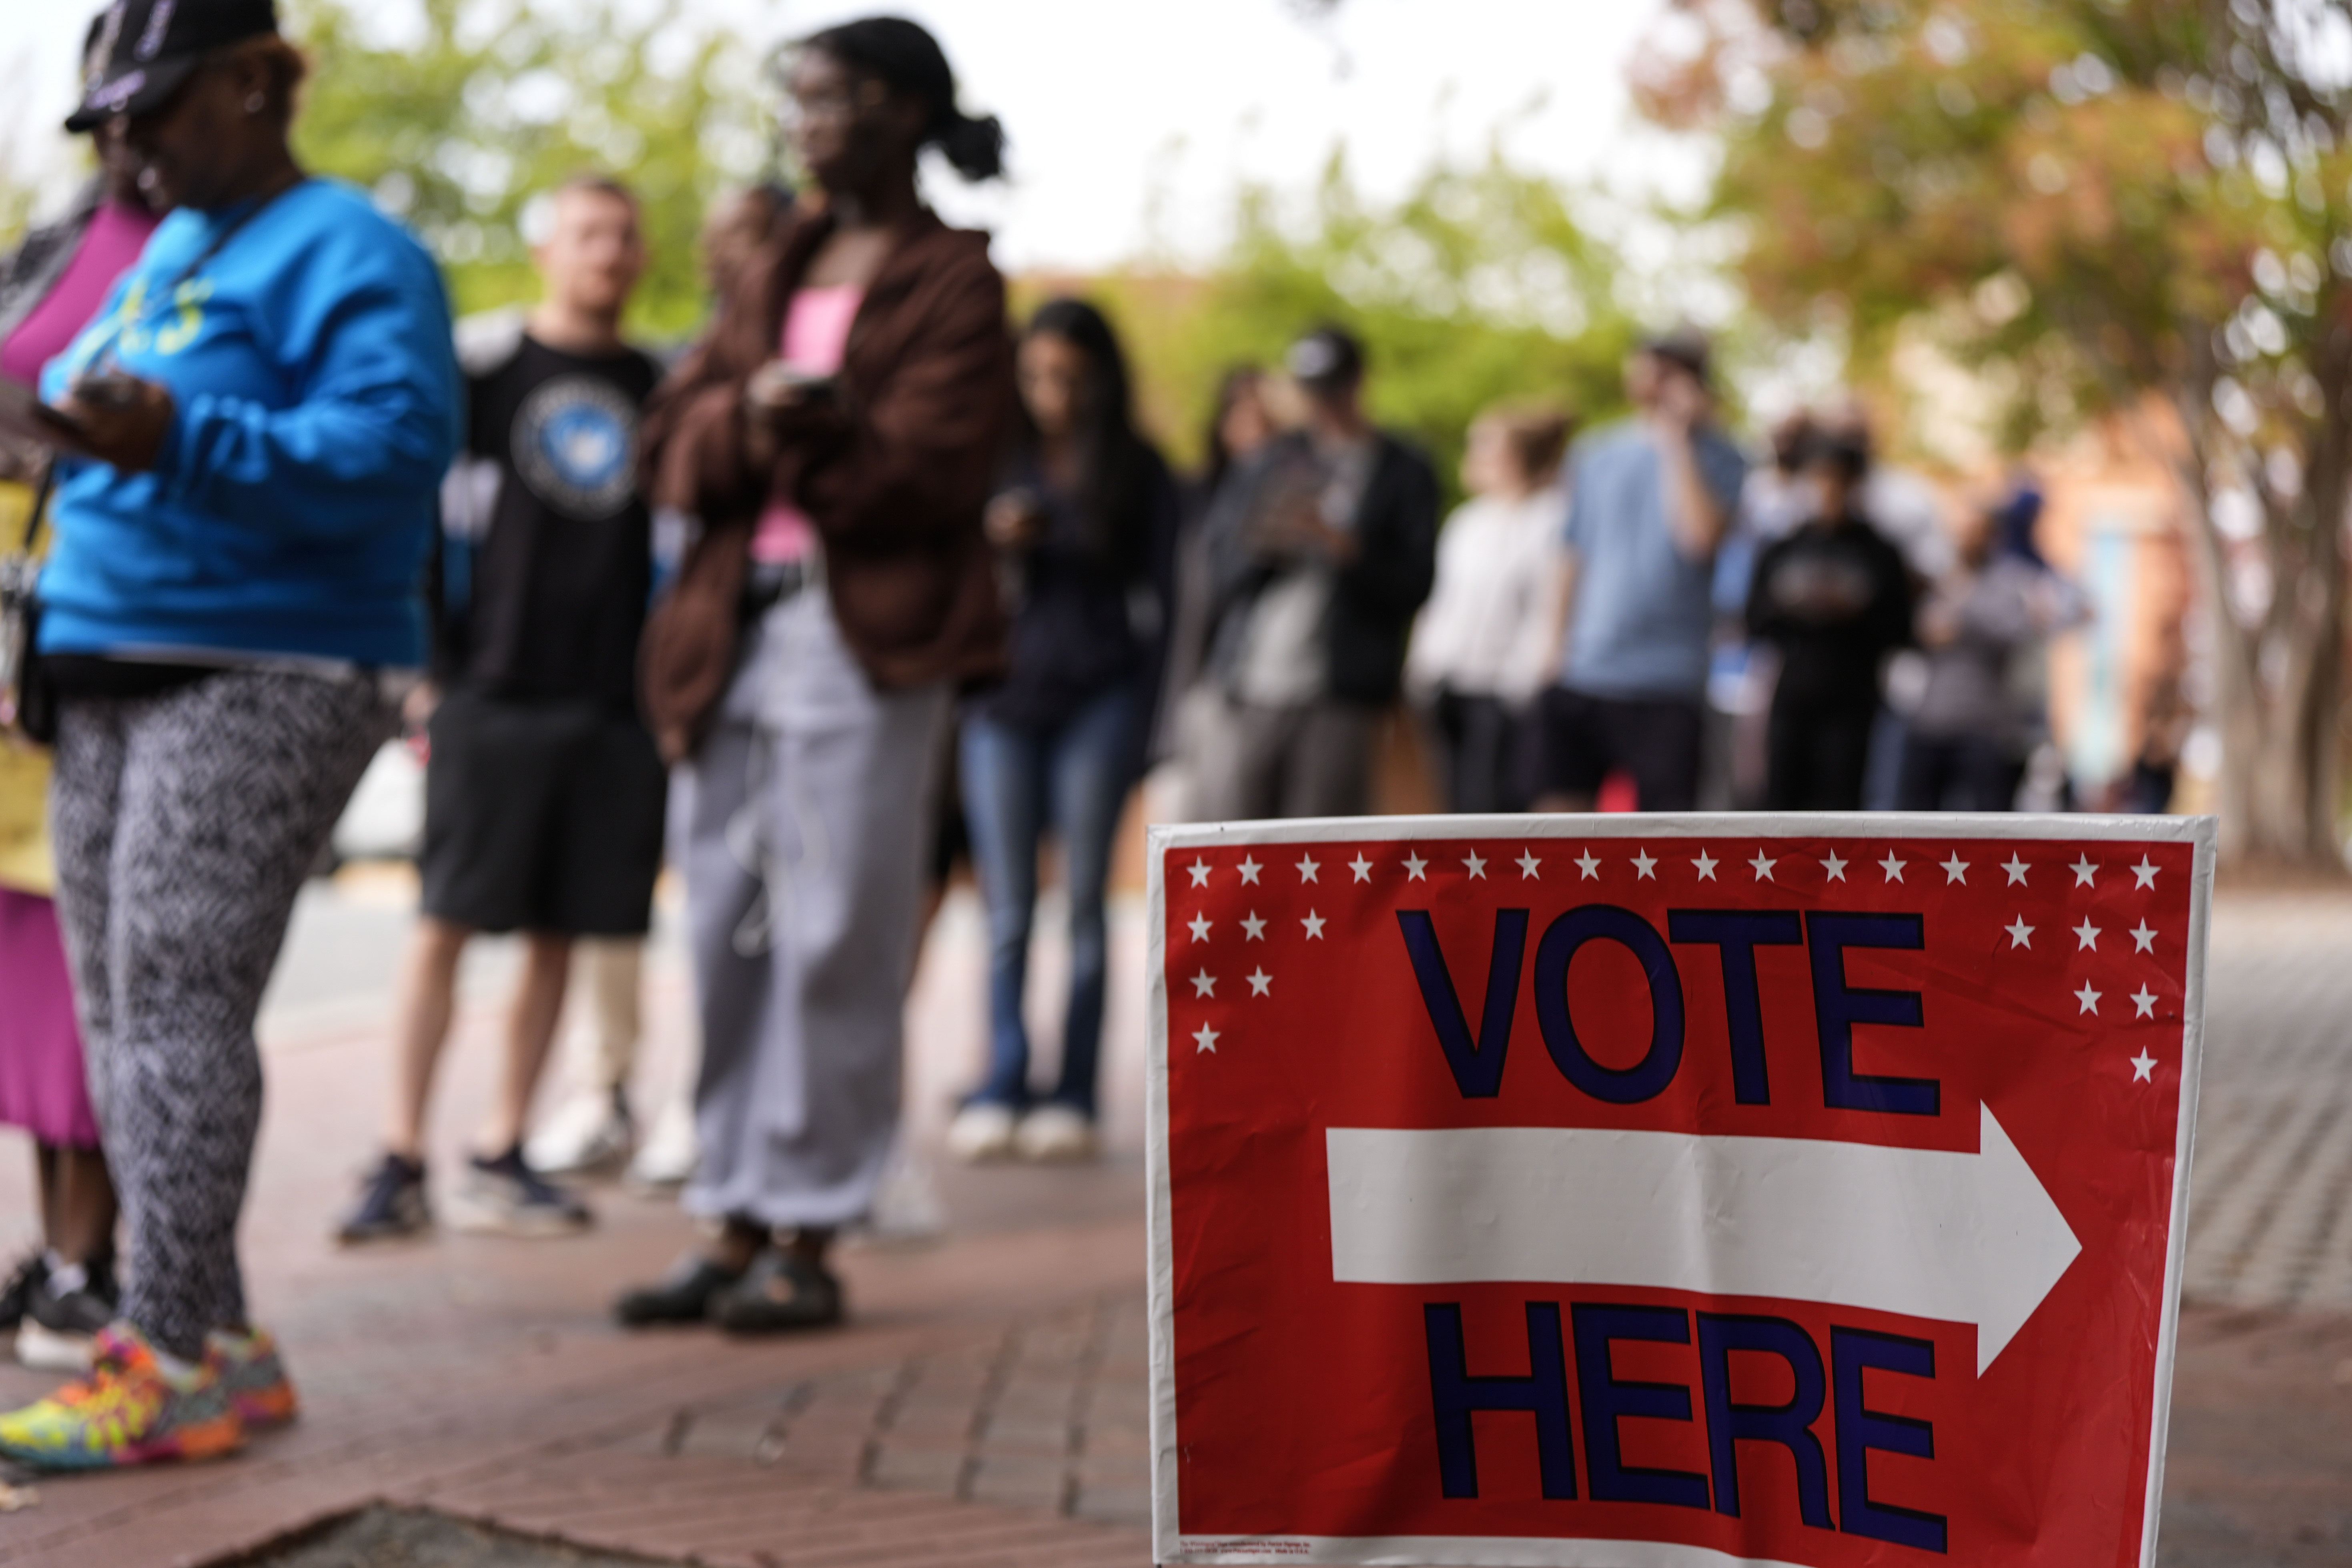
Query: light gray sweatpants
x,y
803,825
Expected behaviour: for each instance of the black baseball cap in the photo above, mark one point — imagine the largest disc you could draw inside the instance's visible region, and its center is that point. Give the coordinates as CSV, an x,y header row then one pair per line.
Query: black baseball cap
x,y
1326,359
141,51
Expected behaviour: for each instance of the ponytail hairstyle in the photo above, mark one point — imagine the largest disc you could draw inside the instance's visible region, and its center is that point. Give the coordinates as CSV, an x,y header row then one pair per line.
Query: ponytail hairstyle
x,y
904,56
1115,464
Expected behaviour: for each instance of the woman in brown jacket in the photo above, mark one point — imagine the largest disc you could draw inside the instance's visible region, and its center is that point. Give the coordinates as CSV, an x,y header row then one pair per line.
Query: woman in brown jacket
x,y
837,436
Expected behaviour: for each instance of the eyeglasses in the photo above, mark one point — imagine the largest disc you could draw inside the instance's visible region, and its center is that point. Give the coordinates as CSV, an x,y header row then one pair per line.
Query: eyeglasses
x,y
836,104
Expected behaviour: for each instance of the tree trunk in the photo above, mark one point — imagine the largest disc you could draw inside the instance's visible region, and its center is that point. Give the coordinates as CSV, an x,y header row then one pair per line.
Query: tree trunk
x,y
2278,686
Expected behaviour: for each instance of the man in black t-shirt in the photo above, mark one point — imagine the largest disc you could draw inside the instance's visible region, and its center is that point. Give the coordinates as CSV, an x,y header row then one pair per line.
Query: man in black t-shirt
x,y
543,792
1834,597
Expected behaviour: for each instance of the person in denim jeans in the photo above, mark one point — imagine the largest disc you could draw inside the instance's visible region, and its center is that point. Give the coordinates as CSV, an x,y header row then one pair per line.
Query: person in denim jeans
x,y
1085,526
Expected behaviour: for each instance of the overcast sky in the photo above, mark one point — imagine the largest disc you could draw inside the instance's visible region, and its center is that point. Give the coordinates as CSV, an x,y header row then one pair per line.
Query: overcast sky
x,y
1107,100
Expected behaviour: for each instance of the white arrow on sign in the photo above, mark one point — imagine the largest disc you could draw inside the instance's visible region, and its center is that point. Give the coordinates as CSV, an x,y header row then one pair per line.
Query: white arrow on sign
x,y
1922,1232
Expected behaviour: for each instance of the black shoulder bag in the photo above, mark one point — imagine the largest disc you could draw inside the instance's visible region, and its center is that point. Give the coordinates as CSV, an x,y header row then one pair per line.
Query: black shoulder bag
x,y
28,704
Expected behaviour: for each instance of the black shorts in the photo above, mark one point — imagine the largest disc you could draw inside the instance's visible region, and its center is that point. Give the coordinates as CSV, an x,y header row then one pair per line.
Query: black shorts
x,y
541,816
1656,741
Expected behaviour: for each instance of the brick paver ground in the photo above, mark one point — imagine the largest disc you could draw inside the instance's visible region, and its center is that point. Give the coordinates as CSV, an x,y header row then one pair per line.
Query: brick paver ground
x,y
987,1406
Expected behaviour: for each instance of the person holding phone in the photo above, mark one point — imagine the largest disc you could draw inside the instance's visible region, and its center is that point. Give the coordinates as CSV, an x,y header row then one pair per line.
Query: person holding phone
x,y
1321,549
267,402
1087,518
838,434
1650,500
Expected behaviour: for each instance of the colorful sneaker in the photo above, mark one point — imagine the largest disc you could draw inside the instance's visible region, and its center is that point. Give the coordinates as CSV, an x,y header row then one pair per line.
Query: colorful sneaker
x,y
392,1205
504,1197
253,1376
127,1411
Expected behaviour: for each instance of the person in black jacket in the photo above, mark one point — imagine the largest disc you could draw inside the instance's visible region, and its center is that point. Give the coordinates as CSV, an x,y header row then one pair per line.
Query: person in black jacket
x,y
1084,527
1835,597
1321,549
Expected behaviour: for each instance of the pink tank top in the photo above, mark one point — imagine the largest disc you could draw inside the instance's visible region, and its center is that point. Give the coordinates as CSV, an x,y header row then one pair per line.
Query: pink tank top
x,y
112,242
816,333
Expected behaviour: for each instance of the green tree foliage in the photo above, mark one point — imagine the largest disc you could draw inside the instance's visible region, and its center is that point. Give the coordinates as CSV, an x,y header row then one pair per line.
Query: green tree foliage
x,y
2100,202
500,99
1480,287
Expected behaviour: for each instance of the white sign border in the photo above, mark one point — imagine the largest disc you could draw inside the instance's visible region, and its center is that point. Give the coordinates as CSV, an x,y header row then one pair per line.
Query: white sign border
x,y
1481,1552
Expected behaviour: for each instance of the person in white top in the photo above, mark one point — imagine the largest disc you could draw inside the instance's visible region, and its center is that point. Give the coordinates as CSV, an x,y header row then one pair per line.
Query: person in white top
x,y
1484,645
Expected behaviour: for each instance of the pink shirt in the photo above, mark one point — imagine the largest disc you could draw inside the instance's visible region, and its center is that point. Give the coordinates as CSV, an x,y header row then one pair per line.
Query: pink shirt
x,y
113,241
816,333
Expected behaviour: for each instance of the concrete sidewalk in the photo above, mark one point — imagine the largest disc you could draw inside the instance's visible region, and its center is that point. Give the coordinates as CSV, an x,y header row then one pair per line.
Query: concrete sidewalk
x,y
986,1406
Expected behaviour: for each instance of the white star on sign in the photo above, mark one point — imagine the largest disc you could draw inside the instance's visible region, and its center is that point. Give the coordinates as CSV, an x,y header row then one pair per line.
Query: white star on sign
x,y
1835,866
1259,982
1314,924
1206,1039
1528,864
1956,870
2143,937
2086,935
2088,998
1706,864
1200,924
1200,870
2020,935
1306,868
1413,868
1892,867
2146,872
1204,985
1360,866
1474,865
1763,867
1588,863
1249,870
2086,874
2144,1000
2143,1065
1643,862
1253,928
2016,869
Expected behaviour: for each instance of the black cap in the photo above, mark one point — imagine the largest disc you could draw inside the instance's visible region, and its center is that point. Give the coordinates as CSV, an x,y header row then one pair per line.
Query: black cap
x,y
142,50
1326,359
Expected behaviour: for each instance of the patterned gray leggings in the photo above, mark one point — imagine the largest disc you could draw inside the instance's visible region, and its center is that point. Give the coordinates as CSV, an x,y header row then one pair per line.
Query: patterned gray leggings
x,y
184,824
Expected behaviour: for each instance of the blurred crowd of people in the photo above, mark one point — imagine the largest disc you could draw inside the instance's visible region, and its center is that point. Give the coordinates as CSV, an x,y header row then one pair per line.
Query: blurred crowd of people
x,y
858,581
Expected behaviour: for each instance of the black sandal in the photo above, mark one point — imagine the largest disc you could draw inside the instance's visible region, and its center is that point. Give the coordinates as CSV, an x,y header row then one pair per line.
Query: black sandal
x,y
781,1292
686,1294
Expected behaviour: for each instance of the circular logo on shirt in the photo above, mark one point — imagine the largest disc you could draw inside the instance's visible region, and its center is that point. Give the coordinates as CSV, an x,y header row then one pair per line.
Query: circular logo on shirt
x,y
575,445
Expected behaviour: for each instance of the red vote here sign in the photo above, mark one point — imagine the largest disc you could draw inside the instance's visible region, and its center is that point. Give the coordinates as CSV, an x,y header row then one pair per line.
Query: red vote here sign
x,y
1670,1193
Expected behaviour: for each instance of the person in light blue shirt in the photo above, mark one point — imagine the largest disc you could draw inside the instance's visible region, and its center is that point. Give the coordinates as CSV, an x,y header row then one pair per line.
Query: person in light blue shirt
x,y
264,408
1650,500
286,508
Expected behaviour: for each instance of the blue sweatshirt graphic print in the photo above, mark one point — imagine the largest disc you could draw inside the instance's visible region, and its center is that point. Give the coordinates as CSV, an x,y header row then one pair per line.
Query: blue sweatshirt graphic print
x,y
291,510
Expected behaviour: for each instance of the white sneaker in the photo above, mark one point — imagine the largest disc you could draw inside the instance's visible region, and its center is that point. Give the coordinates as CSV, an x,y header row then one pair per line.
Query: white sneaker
x,y
588,1133
670,1153
1056,1134
907,1207
981,1131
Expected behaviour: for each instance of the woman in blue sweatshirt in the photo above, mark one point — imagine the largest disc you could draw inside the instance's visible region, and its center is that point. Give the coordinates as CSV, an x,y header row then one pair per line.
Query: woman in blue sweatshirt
x,y
267,402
